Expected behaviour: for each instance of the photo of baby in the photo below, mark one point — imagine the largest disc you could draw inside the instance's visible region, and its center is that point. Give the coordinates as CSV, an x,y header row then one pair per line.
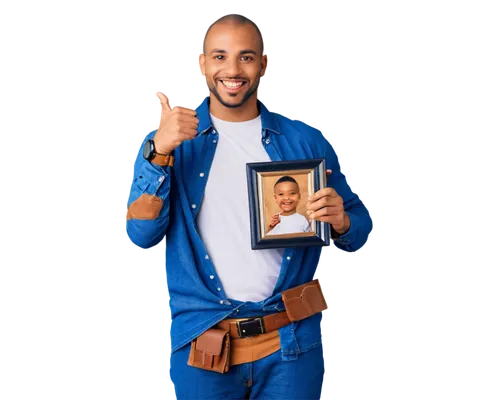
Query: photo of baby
x,y
287,196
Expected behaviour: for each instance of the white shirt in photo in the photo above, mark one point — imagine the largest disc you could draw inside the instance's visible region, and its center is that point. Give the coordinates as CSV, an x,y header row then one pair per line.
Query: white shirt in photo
x,y
291,224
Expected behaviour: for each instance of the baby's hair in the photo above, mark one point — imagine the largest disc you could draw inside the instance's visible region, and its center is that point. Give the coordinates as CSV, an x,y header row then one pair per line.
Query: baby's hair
x,y
285,178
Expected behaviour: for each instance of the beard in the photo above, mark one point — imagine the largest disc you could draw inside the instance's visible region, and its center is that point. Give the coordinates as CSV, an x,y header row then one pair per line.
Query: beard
x,y
251,90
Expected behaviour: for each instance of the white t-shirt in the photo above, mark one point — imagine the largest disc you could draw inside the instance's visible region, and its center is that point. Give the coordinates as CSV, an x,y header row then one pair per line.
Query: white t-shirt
x,y
224,217
291,224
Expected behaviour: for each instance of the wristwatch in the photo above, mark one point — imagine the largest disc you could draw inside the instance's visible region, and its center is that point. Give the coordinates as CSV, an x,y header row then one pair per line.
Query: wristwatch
x,y
151,155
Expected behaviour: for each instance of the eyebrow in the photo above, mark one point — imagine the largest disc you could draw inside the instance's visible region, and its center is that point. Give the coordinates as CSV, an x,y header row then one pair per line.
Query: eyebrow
x,y
246,51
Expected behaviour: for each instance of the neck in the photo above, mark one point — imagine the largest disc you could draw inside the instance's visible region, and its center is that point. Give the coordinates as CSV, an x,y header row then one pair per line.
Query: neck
x,y
287,213
247,111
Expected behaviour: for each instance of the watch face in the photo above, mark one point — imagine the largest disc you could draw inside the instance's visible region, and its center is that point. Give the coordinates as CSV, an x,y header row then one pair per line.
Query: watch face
x,y
148,150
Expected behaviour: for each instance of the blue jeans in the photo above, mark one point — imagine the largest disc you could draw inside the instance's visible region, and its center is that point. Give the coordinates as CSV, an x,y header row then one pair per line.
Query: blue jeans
x,y
265,379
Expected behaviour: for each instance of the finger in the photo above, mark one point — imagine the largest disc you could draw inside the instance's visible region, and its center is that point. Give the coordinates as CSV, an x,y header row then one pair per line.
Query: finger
x,y
183,110
186,118
323,219
164,99
328,172
328,191
188,126
322,202
327,211
181,126
184,106
189,132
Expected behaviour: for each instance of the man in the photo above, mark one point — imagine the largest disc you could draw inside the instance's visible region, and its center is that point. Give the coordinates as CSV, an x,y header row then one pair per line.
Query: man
x,y
197,198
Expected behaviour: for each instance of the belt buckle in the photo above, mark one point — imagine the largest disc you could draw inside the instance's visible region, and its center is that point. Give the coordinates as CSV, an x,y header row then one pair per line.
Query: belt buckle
x,y
251,327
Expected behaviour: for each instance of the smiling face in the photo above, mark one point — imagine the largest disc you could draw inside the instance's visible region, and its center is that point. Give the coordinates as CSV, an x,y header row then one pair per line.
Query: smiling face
x,y
232,63
287,196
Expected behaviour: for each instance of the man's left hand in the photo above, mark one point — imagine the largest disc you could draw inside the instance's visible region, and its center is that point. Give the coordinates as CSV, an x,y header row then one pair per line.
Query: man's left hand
x,y
326,205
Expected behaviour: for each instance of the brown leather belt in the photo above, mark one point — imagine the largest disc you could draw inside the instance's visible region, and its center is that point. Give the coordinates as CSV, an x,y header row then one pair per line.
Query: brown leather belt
x,y
300,302
245,327
211,350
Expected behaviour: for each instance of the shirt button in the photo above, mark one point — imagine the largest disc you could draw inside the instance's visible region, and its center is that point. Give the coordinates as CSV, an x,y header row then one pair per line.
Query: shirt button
x,y
193,205
218,289
213,131
211,277
222,301
268,141
288,258
202,174
237,310
206,257
161,179
215,141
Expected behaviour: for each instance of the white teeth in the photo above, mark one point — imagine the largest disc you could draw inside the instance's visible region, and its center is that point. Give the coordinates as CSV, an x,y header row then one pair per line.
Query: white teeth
x,y
232,84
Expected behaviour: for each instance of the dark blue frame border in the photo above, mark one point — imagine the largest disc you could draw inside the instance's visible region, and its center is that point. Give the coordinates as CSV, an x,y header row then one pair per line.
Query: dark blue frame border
x,y
322,237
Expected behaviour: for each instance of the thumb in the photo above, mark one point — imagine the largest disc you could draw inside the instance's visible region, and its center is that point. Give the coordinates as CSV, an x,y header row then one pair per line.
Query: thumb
x,y
164,99
328,172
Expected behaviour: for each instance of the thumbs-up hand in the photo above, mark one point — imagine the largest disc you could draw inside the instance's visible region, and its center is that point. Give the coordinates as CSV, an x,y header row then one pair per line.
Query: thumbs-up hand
x,y
176,125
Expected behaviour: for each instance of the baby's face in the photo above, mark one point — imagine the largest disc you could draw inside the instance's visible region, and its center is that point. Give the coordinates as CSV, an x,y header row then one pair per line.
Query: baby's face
x,y
287,195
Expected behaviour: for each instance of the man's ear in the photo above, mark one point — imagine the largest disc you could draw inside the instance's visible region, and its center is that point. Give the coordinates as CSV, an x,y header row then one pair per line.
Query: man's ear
x,y
265,64
202,63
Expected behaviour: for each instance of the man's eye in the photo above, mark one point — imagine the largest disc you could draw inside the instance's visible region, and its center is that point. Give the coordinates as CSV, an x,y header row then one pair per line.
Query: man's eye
x,y
247,58
217,57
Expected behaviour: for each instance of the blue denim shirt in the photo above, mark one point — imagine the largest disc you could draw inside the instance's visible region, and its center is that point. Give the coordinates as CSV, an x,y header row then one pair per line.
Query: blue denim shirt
x,y
195,302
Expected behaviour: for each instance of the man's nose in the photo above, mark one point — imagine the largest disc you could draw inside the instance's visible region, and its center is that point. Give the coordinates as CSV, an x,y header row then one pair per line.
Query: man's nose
x,y
233,67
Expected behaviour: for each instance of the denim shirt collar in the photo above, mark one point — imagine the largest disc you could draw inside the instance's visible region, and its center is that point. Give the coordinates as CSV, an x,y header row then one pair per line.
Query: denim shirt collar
x,y
269,122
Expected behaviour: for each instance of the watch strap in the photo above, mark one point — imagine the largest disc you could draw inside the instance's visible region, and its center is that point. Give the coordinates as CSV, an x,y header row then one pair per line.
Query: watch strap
x,y
163,159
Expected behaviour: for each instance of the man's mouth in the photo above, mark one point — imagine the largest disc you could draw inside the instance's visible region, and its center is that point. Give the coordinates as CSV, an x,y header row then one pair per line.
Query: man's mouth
x,y
232,86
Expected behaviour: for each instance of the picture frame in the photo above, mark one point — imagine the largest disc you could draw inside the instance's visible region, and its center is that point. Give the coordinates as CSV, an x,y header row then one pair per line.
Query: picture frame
x,y
277,194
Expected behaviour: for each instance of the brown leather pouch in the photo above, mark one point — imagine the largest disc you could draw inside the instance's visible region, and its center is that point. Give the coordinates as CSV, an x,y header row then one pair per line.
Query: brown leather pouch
x,y
304,300
210,351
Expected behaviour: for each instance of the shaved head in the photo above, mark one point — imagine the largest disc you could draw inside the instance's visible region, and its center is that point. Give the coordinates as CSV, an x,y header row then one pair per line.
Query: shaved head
x,y
237,20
